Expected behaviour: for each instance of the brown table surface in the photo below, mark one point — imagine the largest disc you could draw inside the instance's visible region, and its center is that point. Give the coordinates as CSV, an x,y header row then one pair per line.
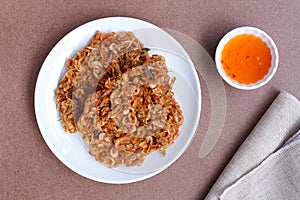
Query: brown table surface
x,y
30,29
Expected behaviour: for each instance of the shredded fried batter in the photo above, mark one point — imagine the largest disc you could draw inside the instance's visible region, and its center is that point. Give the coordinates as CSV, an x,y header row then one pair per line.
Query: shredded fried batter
x,y
121,103
85,70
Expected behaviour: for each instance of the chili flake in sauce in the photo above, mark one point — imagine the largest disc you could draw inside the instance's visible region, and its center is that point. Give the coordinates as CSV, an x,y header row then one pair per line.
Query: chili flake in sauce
x,y
246,58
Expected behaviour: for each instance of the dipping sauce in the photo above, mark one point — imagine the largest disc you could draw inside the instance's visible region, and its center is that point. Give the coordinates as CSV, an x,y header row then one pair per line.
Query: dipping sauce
x,y
246,58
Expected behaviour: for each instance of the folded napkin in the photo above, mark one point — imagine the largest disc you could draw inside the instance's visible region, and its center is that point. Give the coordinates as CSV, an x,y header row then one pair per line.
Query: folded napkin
x,y
267,165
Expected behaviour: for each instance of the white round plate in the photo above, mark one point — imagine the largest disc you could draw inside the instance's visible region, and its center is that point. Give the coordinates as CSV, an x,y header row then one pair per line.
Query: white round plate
x,y
70,148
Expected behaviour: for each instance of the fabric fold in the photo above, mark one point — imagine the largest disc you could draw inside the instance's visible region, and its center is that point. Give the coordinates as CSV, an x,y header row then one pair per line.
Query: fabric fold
x,y
280,122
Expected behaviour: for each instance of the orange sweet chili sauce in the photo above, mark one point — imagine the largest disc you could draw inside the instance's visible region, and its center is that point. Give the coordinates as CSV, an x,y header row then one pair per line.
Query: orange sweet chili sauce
x,y
246,58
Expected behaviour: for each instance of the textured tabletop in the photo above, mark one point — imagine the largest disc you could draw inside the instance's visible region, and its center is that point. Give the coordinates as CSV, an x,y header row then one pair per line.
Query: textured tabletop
x,y
30,29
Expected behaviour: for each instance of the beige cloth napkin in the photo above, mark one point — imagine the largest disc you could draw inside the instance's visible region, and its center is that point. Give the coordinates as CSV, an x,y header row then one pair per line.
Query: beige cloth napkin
x,y
267,165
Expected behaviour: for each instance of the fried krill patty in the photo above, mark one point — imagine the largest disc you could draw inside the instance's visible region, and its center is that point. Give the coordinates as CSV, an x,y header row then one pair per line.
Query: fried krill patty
x,y
132,115
84,71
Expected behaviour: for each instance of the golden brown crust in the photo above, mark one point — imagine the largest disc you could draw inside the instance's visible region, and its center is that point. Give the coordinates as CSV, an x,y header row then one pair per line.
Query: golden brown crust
x,y
84,71
132,116
119,99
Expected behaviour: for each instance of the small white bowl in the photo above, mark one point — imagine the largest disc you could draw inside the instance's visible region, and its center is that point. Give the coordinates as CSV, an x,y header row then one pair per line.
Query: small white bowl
x,y
258,33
